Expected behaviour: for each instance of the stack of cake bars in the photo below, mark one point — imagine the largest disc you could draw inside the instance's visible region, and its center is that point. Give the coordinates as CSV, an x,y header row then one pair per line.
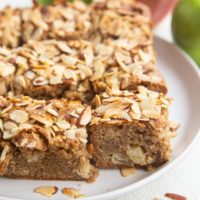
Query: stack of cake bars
x,y
80,91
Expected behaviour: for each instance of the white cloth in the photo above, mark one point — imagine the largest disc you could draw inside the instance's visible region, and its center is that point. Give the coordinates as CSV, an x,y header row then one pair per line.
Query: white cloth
x,y
184,179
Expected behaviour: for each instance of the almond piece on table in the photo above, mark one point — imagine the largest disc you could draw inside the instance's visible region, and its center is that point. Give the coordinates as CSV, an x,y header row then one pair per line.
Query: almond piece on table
x,y
47,191
175,196
71,192
127,171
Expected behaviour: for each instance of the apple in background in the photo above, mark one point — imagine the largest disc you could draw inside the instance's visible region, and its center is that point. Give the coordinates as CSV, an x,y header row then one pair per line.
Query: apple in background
x,y
160,8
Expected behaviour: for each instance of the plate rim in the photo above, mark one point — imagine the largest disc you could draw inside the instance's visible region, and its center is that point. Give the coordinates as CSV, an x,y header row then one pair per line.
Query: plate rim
x,y
131,187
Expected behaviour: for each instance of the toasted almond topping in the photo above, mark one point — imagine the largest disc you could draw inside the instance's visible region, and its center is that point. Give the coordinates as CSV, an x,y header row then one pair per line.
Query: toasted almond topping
x,y
4,152
19,116
7,109
56,80
30,75
47,191
10,130
52,111
21,81
71,192
70,134
63,124
85,116
127,171
40,81
41,120
6,69
64,47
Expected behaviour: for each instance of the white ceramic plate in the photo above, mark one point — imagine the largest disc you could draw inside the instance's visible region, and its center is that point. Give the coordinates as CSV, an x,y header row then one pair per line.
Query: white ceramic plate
x,y
184,83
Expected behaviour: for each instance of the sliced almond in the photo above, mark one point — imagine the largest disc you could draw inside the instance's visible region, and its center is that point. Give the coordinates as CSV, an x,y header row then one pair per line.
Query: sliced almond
x,y
41,119
64,47
47,191
127,171
88,55
56,80
70,134
52,111
30,75
4,153
63,124
10,130
19,116
71,192
85,116
175,196
40,81
21,81
7,109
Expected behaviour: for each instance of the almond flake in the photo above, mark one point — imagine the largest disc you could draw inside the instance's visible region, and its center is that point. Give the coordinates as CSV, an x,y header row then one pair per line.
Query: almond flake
x,y
63,124
144,56
7,109
47,191
85,116
85,69
53,112
70,134
39,81
6,69
71,192
30,75
56,80
175,196
64,47
119,59
41,119
127,171
136,110
4,152
21,81
88,55
19,116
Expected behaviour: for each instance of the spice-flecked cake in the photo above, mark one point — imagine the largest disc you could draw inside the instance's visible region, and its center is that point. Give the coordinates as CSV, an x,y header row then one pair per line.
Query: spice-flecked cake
x,y
101,54
131,129
44,139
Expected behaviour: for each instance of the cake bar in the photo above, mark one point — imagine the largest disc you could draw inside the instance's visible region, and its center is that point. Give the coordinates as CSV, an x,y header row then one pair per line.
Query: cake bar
x,y
131,129
44,139
59,21
125,26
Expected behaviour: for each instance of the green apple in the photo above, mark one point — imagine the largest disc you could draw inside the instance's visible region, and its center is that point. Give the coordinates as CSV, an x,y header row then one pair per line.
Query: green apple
x,y
186,27
45,2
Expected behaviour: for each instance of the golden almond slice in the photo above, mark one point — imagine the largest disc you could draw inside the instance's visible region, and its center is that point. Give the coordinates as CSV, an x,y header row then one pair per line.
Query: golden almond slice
x,y
71,192
125,172
85,116
47,191
19,116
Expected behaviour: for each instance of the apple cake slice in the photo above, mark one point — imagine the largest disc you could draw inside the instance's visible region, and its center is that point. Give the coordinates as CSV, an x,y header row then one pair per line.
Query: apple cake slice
x,y
44,139
131,129
60,21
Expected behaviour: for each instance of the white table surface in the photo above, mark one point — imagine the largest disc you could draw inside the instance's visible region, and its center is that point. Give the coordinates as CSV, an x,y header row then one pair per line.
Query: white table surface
x,y
184,179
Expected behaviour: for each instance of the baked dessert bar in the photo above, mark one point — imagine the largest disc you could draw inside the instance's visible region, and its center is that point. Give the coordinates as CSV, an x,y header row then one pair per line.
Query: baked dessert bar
x,y
44,139
126,27
131,129
59,21
48,69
